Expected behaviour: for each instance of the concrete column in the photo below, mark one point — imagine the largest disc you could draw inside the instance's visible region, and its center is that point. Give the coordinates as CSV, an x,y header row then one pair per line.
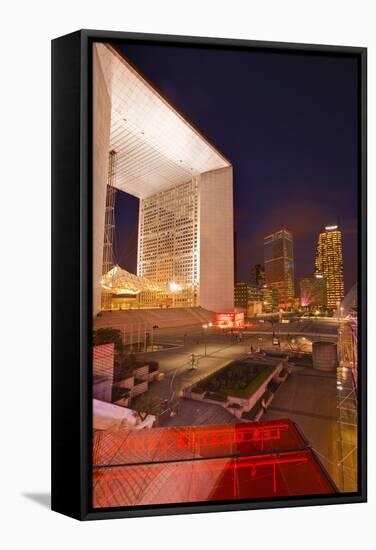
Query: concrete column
x,y
101,146
216,240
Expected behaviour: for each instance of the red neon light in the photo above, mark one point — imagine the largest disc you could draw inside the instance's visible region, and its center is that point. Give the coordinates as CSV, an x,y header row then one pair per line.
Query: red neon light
x,y
209,465
131,446
207,438
282,474
181,464
230,319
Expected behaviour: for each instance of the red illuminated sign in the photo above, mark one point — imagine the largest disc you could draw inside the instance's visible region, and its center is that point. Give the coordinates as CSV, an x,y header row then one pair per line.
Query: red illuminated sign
x,y
203,439
231,319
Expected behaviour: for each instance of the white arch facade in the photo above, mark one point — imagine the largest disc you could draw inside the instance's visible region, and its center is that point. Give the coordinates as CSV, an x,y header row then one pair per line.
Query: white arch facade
x,y
184,185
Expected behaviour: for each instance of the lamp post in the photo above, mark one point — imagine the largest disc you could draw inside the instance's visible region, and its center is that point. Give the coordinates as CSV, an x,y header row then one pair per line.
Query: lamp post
x,y
205,327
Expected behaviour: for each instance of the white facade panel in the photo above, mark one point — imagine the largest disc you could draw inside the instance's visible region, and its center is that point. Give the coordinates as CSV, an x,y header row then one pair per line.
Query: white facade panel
x,y
101,146
216,240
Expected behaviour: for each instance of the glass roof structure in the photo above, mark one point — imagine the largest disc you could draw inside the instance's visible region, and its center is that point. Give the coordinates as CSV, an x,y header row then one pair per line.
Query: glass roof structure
x,y
157,148
205,463
120,281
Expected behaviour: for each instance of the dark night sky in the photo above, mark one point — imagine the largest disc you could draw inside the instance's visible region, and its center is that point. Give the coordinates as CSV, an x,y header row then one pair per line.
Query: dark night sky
x,y
288,124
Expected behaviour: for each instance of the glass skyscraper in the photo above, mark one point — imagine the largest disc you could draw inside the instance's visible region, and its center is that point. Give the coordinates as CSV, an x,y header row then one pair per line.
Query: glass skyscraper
x,y
279,264
329,263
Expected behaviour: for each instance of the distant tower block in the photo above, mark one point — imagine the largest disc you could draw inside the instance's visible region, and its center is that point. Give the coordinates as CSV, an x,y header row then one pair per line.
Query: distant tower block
x,y
324,356
186,228
279,264
257,275
329,264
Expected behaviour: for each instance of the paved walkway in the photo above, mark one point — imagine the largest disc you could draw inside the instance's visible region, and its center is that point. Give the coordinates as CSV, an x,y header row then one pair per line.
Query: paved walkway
x,y
309,398
202,413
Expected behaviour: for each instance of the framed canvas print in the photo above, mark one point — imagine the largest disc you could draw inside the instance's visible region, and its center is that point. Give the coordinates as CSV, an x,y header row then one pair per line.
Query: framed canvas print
x,y
209,274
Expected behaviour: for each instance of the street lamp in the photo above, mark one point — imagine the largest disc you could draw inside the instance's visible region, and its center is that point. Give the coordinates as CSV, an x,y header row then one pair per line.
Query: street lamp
x,y
193,361
205,328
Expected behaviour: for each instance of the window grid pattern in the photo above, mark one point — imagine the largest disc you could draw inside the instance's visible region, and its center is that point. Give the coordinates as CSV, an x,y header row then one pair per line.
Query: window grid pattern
x,y
329,264
279,264
168,250
156,147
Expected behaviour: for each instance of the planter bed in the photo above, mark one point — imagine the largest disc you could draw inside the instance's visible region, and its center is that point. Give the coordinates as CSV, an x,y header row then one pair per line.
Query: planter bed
x,y
238,379
213,396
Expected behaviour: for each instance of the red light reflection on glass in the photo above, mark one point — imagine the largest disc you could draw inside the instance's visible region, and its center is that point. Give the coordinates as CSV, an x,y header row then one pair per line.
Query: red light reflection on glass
x,y
207,438
207,463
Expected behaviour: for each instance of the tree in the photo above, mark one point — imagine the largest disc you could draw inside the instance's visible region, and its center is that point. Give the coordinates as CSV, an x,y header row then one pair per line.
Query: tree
x,y
147,404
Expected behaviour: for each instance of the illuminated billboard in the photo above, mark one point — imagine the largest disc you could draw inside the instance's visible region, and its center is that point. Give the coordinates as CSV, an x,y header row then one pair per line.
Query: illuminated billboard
x,y
230,319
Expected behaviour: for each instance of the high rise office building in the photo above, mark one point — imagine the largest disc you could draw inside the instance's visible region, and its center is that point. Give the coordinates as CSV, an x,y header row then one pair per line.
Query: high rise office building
x,y
329,263
245,293
257,275
279,264
270,299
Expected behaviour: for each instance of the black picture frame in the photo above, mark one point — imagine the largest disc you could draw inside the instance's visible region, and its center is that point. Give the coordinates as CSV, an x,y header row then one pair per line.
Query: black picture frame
x,y
71,273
